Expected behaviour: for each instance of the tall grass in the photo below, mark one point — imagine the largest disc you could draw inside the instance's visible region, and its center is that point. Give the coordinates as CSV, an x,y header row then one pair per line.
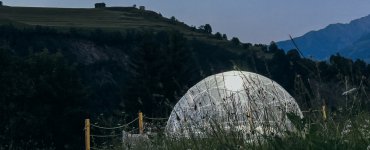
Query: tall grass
x,y
347,127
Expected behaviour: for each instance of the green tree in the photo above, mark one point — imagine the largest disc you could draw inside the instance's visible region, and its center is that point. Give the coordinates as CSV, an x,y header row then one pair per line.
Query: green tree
x,y
173,19
218,36
161,65
208,28
235,41
273,47
205,28
224,36
246,45
47,100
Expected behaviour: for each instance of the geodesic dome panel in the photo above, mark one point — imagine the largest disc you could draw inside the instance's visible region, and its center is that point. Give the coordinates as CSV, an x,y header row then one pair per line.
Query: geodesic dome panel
x,y
237,100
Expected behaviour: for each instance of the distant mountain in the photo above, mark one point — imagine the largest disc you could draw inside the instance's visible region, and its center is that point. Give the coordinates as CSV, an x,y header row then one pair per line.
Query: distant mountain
x,y
350,40
360,49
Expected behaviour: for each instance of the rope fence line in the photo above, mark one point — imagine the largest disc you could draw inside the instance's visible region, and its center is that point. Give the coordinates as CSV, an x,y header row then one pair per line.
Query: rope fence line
x,y
140,129
155,118
306,111
118,127
105,136
140,120
323,111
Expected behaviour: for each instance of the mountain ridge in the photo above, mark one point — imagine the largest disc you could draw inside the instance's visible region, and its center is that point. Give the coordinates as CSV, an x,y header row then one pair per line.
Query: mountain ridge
x,y
334,38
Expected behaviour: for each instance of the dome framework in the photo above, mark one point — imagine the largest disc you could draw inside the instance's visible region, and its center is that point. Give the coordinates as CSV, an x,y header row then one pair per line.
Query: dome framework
x,y
234,100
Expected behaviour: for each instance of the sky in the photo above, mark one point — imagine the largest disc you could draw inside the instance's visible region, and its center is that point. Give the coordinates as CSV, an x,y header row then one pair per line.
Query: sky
x,y
252,21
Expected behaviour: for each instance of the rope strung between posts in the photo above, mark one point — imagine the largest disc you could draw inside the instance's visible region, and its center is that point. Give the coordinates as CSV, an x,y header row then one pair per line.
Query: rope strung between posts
x,y
112,128
111,135
307,111
155,118
113,131
103,136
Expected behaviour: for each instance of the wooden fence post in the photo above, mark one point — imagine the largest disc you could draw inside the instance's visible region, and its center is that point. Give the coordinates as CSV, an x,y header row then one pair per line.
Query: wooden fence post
x,y
141,124
87,134
324,112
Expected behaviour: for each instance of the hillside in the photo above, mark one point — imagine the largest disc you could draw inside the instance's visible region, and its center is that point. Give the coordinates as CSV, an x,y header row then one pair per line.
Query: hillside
x,y
108,19
331,40
359,49
60,66
72,64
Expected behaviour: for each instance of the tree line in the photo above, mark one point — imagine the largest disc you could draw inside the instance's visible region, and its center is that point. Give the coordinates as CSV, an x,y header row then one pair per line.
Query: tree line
x,y
51,80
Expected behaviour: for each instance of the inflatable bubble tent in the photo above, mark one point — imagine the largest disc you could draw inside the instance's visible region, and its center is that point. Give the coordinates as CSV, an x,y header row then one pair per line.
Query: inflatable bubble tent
x,y
234,100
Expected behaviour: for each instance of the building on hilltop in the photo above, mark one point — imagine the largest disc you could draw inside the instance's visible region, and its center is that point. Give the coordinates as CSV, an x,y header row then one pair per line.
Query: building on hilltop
x,y
100,5
142,8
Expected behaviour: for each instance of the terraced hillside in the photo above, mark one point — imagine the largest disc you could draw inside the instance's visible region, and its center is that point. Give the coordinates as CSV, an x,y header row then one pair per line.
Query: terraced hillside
x,y
114,18
110,19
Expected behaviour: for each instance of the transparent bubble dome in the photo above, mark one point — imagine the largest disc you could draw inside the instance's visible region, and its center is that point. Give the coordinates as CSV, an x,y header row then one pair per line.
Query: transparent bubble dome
x,y
234,100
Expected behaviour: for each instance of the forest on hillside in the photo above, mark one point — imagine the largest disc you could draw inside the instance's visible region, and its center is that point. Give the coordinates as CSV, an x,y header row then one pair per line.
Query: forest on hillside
x,y
51,80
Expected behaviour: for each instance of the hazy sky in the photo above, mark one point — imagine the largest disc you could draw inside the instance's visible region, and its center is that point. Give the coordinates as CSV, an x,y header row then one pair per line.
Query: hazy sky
x,y
254,21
